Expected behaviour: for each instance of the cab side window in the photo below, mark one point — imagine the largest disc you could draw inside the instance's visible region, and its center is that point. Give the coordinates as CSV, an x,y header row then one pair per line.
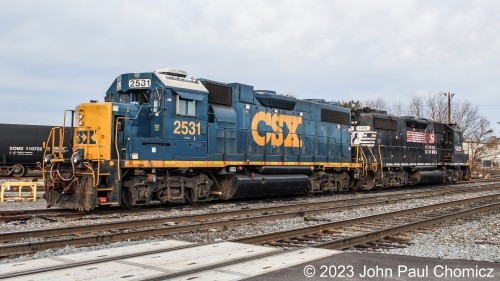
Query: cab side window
x,y
186,107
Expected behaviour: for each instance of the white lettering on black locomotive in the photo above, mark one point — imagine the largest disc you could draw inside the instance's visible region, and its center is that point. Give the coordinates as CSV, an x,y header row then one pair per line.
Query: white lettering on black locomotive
x,y
363,138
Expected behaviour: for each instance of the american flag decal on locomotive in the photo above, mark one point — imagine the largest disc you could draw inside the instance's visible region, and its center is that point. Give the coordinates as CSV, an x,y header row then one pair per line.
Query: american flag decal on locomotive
x,y
420,137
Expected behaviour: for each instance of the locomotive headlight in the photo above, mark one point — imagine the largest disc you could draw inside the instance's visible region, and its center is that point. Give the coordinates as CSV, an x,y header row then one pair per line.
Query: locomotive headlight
x,y
80,118
47,158
76,158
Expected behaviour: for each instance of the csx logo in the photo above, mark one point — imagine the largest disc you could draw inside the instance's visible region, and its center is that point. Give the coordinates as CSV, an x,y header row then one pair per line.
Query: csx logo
x,y
84,137
280,130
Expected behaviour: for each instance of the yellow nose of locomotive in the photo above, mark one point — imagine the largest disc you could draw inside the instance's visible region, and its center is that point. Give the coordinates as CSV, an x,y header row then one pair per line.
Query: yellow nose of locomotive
x,y
93,130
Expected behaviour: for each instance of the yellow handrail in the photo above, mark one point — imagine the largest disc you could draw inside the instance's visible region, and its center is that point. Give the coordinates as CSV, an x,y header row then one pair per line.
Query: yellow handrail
x,y
117,121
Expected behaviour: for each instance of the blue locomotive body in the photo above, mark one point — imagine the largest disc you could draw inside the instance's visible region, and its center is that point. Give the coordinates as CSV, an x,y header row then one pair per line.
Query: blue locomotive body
x,y
162,136
227,122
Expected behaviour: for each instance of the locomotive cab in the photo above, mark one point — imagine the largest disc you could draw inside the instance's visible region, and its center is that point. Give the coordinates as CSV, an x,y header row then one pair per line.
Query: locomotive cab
x,y
146,118
453,145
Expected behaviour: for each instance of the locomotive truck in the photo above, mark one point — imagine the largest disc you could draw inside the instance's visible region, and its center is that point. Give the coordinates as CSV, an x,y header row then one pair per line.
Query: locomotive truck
x,y
160,136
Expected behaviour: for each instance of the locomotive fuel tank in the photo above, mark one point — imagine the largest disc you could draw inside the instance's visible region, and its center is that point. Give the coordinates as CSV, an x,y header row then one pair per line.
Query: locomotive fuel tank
x,y
427,177
259,185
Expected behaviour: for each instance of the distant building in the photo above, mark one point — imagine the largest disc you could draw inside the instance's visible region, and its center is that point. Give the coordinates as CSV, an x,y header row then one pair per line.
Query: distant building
x,y
489,155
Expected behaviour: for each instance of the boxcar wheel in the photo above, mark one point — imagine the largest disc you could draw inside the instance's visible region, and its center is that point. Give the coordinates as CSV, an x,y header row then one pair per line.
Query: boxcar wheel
x,y
18,171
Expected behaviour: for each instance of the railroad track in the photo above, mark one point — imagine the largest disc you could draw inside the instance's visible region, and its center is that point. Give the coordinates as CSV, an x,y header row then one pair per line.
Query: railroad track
x,y
124,230
13,215
427,215
349,233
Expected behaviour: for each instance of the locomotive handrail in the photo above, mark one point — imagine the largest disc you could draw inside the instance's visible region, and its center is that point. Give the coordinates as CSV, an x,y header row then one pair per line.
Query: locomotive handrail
x,y
373,155
365,163
96,179
381,162
45,144
61,140
51,144
117,121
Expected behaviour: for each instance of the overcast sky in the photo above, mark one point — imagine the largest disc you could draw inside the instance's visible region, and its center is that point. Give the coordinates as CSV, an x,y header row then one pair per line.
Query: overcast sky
x,y
56,54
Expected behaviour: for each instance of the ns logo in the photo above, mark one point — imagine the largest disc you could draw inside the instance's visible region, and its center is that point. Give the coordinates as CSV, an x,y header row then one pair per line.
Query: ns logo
x,y
280,130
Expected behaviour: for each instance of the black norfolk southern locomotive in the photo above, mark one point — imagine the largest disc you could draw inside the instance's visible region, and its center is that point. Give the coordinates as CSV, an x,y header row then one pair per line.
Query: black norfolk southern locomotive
x,y
401,151
160,136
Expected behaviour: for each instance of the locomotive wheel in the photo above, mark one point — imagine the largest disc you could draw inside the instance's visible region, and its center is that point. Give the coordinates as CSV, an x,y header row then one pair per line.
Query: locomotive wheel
x,y
18,171
307,190
190,197
128,202
369,184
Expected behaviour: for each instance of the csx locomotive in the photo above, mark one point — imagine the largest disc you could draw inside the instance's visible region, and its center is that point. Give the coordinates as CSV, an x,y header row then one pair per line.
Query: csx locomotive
x,y
160,136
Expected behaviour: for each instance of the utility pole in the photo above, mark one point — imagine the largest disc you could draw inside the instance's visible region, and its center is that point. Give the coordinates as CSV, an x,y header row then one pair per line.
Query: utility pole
x,y
450,96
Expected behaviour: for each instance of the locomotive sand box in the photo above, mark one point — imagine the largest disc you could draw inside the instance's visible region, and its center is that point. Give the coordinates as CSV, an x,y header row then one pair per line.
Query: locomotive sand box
x,y
160,136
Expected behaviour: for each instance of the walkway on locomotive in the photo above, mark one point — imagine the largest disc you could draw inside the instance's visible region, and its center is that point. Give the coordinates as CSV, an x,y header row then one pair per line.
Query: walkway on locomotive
x,y
163,120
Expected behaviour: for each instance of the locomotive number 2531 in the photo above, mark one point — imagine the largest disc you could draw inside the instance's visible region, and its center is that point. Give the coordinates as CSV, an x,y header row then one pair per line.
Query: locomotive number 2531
x,y
187,128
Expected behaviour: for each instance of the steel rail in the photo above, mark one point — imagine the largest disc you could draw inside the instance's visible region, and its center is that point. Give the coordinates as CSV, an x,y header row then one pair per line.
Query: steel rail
x,y
380,234
25,214
335,244
262,238
30,247
384,199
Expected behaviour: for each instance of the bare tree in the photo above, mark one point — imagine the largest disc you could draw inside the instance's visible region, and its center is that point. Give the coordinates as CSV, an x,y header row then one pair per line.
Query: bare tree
x,y
477,130
378,103
436,107
467,117
397,108
416,106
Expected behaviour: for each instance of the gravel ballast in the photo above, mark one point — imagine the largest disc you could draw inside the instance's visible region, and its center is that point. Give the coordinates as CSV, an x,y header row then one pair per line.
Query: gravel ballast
x,y
451,244
473,240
